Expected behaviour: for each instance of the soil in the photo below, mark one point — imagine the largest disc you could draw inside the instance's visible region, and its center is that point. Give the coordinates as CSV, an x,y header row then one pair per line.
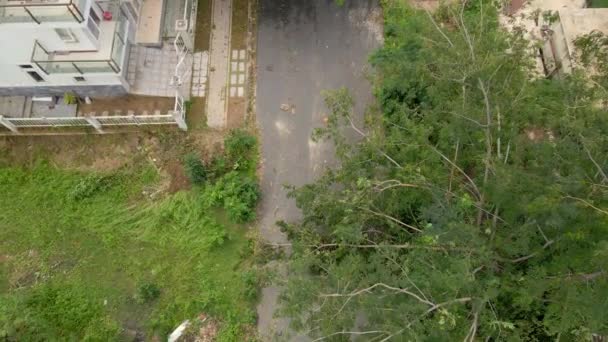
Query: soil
x,y
237,108
240,24
203,26
195,116
107,153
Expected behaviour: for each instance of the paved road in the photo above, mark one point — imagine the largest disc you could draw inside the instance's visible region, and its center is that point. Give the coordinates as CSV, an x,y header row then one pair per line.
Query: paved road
x,y
304,47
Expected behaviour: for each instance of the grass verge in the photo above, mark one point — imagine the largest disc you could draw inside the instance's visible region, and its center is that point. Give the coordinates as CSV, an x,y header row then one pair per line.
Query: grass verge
x,y
89,256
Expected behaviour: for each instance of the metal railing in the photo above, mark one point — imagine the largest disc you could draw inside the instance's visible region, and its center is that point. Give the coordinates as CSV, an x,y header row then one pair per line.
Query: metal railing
x,y
40,11
98,122
182,51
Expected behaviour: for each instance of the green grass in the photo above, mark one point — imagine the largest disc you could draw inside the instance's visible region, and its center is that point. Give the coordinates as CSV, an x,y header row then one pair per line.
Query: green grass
x,y
599,4
90,257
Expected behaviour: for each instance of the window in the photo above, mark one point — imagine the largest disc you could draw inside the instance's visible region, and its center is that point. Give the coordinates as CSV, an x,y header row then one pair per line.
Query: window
x,y
36,76
132,11
93,23
67,35
26,66
93,15
79,79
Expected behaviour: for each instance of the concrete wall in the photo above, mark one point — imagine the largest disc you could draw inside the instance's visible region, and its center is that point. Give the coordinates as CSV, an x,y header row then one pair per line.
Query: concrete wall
x,y
82,91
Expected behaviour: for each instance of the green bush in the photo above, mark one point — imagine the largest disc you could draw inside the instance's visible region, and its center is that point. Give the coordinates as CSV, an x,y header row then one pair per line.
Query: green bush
x,y
241,149
218,167
252,284
195,169
237,194
147,292
90,186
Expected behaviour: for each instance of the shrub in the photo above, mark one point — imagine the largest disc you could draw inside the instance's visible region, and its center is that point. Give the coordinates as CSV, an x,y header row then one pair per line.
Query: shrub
x,y
251,281
90,186
237,194
195,169
215,234
147,292
240,149
218,167
50,311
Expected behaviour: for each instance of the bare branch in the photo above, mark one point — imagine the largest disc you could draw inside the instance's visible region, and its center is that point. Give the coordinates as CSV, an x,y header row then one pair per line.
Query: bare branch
x,y
393,183
473,329
353,333
599,168
588,204
488,157
466,32
438,28
382,285
475,188
360,132
468,119
392,219
441,248
452,169
530,256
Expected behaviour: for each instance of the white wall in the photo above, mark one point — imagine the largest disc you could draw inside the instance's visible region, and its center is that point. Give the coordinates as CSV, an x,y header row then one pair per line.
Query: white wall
x,y
17,45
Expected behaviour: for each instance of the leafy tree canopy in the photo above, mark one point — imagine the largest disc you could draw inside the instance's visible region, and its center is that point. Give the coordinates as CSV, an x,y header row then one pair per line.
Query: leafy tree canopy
x,y
474,206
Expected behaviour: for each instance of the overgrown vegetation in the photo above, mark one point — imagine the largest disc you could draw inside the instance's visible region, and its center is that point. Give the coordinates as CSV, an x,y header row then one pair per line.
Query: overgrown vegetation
x,y
474,206
88,257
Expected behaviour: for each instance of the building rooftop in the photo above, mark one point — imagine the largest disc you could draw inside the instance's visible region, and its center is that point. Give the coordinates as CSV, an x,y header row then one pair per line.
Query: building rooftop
x,y
577,22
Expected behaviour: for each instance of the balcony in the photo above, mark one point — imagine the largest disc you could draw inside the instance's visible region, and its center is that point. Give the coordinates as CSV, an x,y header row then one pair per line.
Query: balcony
x,y
41,11
109,58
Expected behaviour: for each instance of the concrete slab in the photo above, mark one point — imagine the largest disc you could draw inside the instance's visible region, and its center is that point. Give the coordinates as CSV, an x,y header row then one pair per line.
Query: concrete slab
x,y
219,64
60,110
12,106
149,28
154,71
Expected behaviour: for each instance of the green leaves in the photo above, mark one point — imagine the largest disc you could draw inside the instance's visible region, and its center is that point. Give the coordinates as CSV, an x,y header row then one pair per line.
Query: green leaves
x,y
501,175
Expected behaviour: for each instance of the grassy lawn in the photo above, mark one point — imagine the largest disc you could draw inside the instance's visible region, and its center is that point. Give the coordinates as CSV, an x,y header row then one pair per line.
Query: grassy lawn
x,y
599,4
87,256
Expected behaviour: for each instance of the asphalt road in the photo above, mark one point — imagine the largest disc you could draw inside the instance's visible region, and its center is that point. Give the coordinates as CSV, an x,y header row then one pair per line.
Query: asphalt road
x,y
304,47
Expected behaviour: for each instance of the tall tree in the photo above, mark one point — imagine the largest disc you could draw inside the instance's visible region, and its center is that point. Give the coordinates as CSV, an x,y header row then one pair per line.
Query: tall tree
x,y
475,205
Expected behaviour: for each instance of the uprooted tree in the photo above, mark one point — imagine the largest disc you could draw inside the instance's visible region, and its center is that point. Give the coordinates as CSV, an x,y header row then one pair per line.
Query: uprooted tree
x,y
474,206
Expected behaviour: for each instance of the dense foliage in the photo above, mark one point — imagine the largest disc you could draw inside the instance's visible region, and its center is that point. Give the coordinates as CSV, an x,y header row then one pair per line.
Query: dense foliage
x,y
475,204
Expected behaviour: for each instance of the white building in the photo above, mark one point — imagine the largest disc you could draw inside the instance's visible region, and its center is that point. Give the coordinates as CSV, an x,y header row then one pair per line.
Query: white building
x,y
50,47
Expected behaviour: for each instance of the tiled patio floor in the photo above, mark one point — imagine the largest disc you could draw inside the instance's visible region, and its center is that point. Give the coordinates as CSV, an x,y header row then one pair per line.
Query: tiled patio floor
x,y
151,71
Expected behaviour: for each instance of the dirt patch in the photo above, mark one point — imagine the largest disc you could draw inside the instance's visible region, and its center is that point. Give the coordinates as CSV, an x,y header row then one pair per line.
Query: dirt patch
x,y
99,153
203,329
108,153
177,174
240,24
195,115
237,108
203,26
140,105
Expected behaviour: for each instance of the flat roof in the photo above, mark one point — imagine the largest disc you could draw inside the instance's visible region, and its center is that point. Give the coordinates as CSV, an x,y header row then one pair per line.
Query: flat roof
x,y
578,22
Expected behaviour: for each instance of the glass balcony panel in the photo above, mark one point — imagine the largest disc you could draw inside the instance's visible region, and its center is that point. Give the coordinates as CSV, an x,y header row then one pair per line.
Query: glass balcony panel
x,y
58,67
118,50
94,67
45,14
14,15
39,53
